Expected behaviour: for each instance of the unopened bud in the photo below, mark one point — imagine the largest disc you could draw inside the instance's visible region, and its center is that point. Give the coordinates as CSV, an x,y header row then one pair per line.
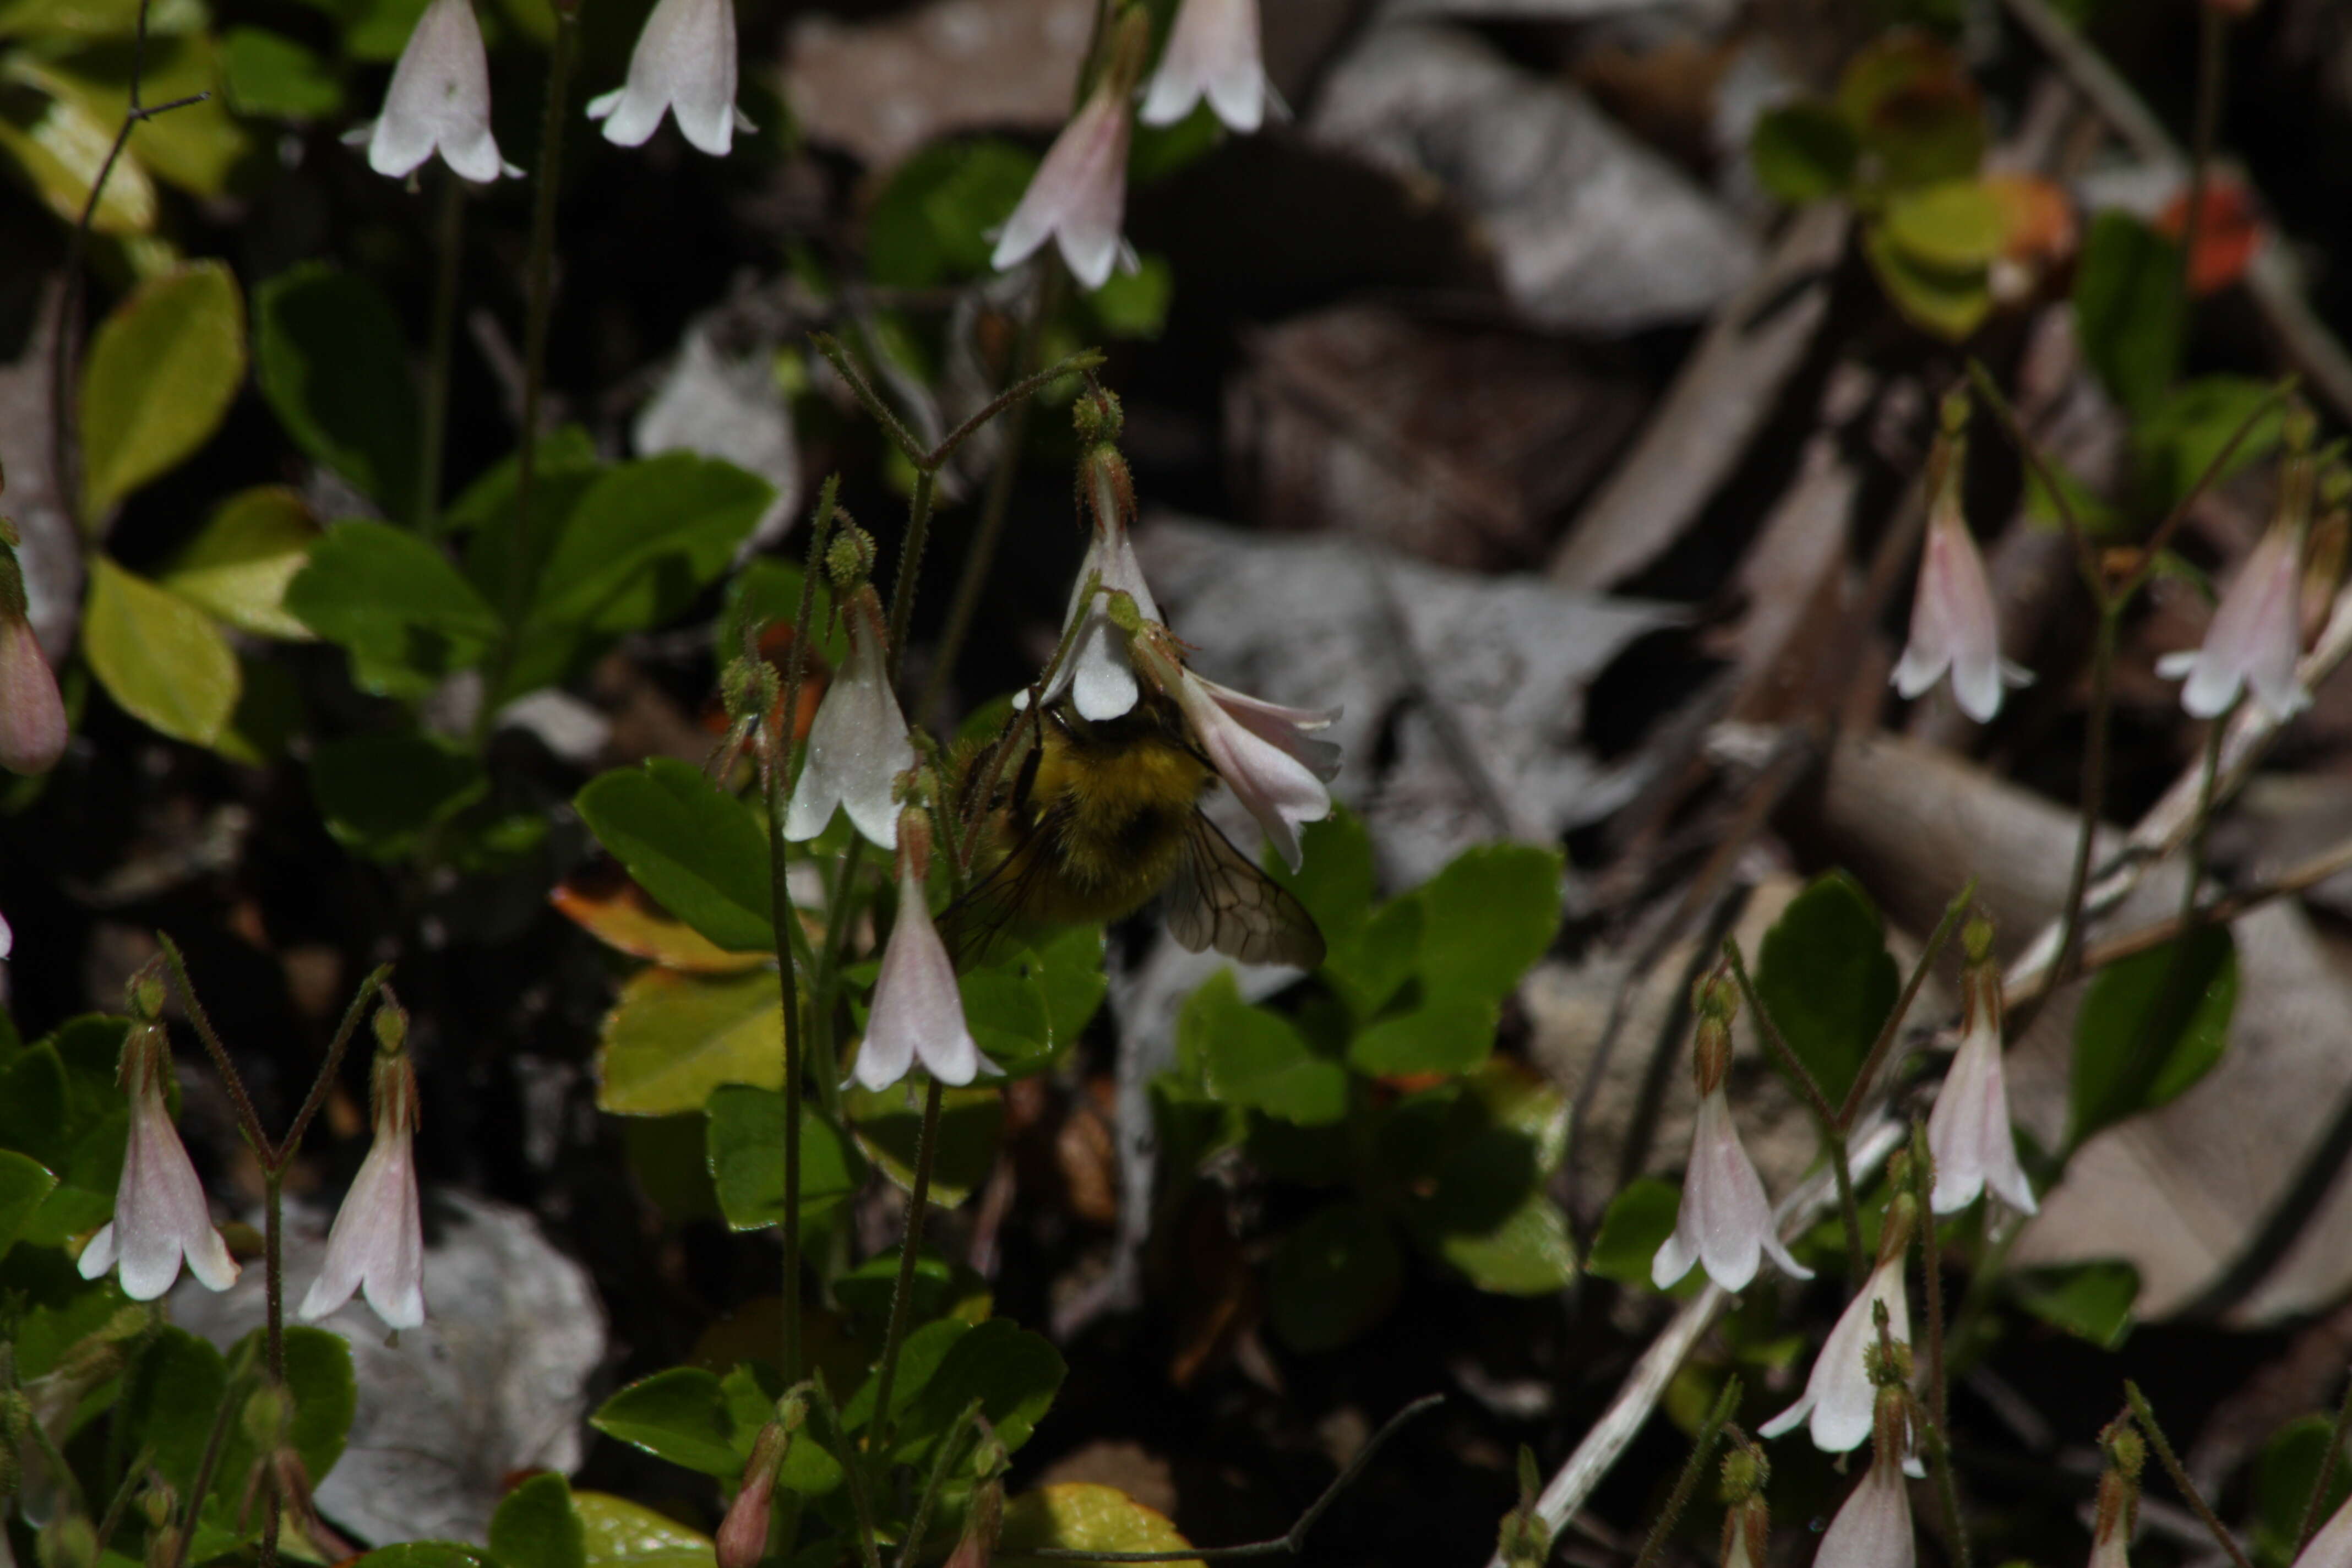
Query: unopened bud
x,y
1745,1472
2125,1450
1975,939
747,688
390,1026
2298,427
1711,1053
69,1541
162,1546
266,1410
742,1537
1715,996
849,559
158,1502
1902,1210
144,994
1098,415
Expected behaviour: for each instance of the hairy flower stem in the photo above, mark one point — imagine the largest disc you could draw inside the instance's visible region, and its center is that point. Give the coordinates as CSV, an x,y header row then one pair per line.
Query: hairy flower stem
x,y
1726,1404
273,1279
449,245
2206,784
540,306
2144,1416
902,1290
1825,1118
1923,1184
910,565
2094,790
1876,1055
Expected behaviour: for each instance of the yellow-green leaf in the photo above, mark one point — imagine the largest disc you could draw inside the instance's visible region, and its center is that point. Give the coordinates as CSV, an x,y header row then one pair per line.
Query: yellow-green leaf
x,y
672,1038
158,656
59,143
1078,1516
238,565
163,368
1953,226
625,1534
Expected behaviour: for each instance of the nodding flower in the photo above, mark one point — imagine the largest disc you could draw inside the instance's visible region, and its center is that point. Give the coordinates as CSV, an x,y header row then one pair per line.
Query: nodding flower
x,y
161,1213
917,1014
377,1243
858,743
1725,1222
1266,753
2255,637
1873,1529
1969,1130
1839,1397
1953,624
1077,198
1212,52
439,101
684,65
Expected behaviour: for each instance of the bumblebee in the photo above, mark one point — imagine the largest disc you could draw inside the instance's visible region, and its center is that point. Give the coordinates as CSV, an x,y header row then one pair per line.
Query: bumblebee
x,y
1099,817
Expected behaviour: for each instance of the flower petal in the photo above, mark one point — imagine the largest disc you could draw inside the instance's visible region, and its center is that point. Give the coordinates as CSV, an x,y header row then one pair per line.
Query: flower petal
x,y
857,747
440,99
917,1009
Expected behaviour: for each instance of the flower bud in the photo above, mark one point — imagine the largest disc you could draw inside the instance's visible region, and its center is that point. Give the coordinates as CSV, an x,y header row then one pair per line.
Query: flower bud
x,y
742,1537
158,1502
747,688
390,1026
1746,1472
266,1413
1975,939
849,559
144,994
1098,415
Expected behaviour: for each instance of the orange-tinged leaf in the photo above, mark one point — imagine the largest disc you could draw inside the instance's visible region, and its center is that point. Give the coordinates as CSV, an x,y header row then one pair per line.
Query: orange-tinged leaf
x,y
603,902
2041,219
2229,233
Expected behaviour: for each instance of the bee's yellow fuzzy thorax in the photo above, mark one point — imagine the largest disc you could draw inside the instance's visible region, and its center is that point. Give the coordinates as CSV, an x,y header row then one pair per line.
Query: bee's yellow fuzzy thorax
x,y
1123,793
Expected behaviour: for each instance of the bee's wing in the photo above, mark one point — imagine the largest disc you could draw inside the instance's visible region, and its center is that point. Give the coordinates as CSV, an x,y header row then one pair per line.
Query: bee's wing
x,y
970,925
1220,900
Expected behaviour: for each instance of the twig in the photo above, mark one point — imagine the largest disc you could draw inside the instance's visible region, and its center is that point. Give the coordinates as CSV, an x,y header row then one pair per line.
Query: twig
x,y
1291,1542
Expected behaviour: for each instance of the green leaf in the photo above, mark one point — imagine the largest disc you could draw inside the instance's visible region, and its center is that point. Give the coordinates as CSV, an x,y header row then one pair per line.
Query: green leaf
x,y
1004,1007
169,1401
326,1396
1013,1372
617,1534
1068,965
239,562
671,1038
1134,305
885,1125
1950,304
426,1554
1527,1253
1449,1035
699,852
1337,878
159,658
25,1183
680,1415
920,1355
2090,1301
1825,975
1804,151
2127,310
1953,226
59,140
1486,917
2283,1478
746,1141
268,74
1257,1059
938,1288
769,590
406,615
2149,1028
1335,1275
380,794
194,148
1081,1516
932,221
535,1526
330,357
1919,116
162,369
1638,1220
2175,444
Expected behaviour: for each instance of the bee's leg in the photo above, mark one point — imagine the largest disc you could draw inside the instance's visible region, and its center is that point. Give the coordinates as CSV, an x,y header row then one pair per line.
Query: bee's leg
x,y
1024,784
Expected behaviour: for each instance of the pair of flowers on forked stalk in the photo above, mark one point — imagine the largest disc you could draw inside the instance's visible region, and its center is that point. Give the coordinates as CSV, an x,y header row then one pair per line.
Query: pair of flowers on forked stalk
x,y
376,1245
1085,808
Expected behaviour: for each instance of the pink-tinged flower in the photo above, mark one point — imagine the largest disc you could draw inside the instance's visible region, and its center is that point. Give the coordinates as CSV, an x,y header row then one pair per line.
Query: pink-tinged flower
x,y
1099,673
2118,1510
377,1244
160,1212
32,719
1079,195
7,938
684,64
742,1538
2330,1545
1263,751
1953,626
858,744
1211,53
2255,638
1969,1130
917,1013
439,100
1873,1529
1837,1396
1725,1222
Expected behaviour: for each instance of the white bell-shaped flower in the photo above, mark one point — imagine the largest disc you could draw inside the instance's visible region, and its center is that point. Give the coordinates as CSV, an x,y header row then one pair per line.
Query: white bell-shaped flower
x,y
377,1243
2255,638
918,1014
32,717
1726,1221
1838,1398
161,1215
439,100
684,65
858,744
2330,1545
1077,198
1212,52
1968,1131
1873,1529
1953,624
